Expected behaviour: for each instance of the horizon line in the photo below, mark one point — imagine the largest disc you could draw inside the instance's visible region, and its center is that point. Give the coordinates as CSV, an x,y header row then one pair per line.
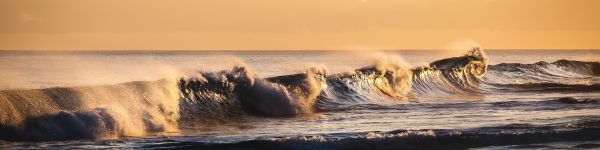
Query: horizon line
x,y
439,49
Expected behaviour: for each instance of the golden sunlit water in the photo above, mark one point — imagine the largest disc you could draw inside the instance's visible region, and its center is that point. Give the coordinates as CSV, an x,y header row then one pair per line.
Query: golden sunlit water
x,y
158,99
299,74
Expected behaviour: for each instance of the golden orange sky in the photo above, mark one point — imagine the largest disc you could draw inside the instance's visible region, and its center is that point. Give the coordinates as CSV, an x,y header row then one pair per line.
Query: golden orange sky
x,y
297,24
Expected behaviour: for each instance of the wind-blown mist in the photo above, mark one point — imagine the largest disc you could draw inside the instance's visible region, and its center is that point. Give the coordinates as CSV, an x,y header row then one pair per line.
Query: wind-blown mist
x,y
384,93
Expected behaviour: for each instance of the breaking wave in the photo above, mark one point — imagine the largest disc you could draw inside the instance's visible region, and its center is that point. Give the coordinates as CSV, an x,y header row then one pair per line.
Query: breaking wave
x,y
451,75
225,92
106,111
154,107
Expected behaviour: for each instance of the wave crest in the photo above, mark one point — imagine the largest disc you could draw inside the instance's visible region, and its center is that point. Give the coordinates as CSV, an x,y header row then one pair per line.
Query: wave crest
x,y
277,96
451,75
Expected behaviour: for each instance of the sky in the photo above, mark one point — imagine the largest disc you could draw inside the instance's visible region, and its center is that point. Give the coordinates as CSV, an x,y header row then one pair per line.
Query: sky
x,y
297,24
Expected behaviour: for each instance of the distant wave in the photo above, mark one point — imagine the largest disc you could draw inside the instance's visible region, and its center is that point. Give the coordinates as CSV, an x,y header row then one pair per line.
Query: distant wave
x,y
557,68
147,107
561,75
542,69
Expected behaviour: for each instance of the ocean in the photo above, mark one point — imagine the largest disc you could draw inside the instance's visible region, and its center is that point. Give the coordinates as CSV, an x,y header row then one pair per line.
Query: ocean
x,y
394,99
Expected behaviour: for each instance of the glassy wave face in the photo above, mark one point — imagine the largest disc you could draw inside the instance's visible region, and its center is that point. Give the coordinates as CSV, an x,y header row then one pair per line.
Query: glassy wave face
x,y
456,102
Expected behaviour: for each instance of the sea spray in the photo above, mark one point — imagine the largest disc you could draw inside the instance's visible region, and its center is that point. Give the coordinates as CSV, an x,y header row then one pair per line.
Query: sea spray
x,y
155,107
277,96
394,75
387,81
105,111
455,75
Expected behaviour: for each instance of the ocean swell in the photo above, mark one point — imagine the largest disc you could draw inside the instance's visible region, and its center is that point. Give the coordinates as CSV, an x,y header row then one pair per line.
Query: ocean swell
x,y
154,107
513,134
